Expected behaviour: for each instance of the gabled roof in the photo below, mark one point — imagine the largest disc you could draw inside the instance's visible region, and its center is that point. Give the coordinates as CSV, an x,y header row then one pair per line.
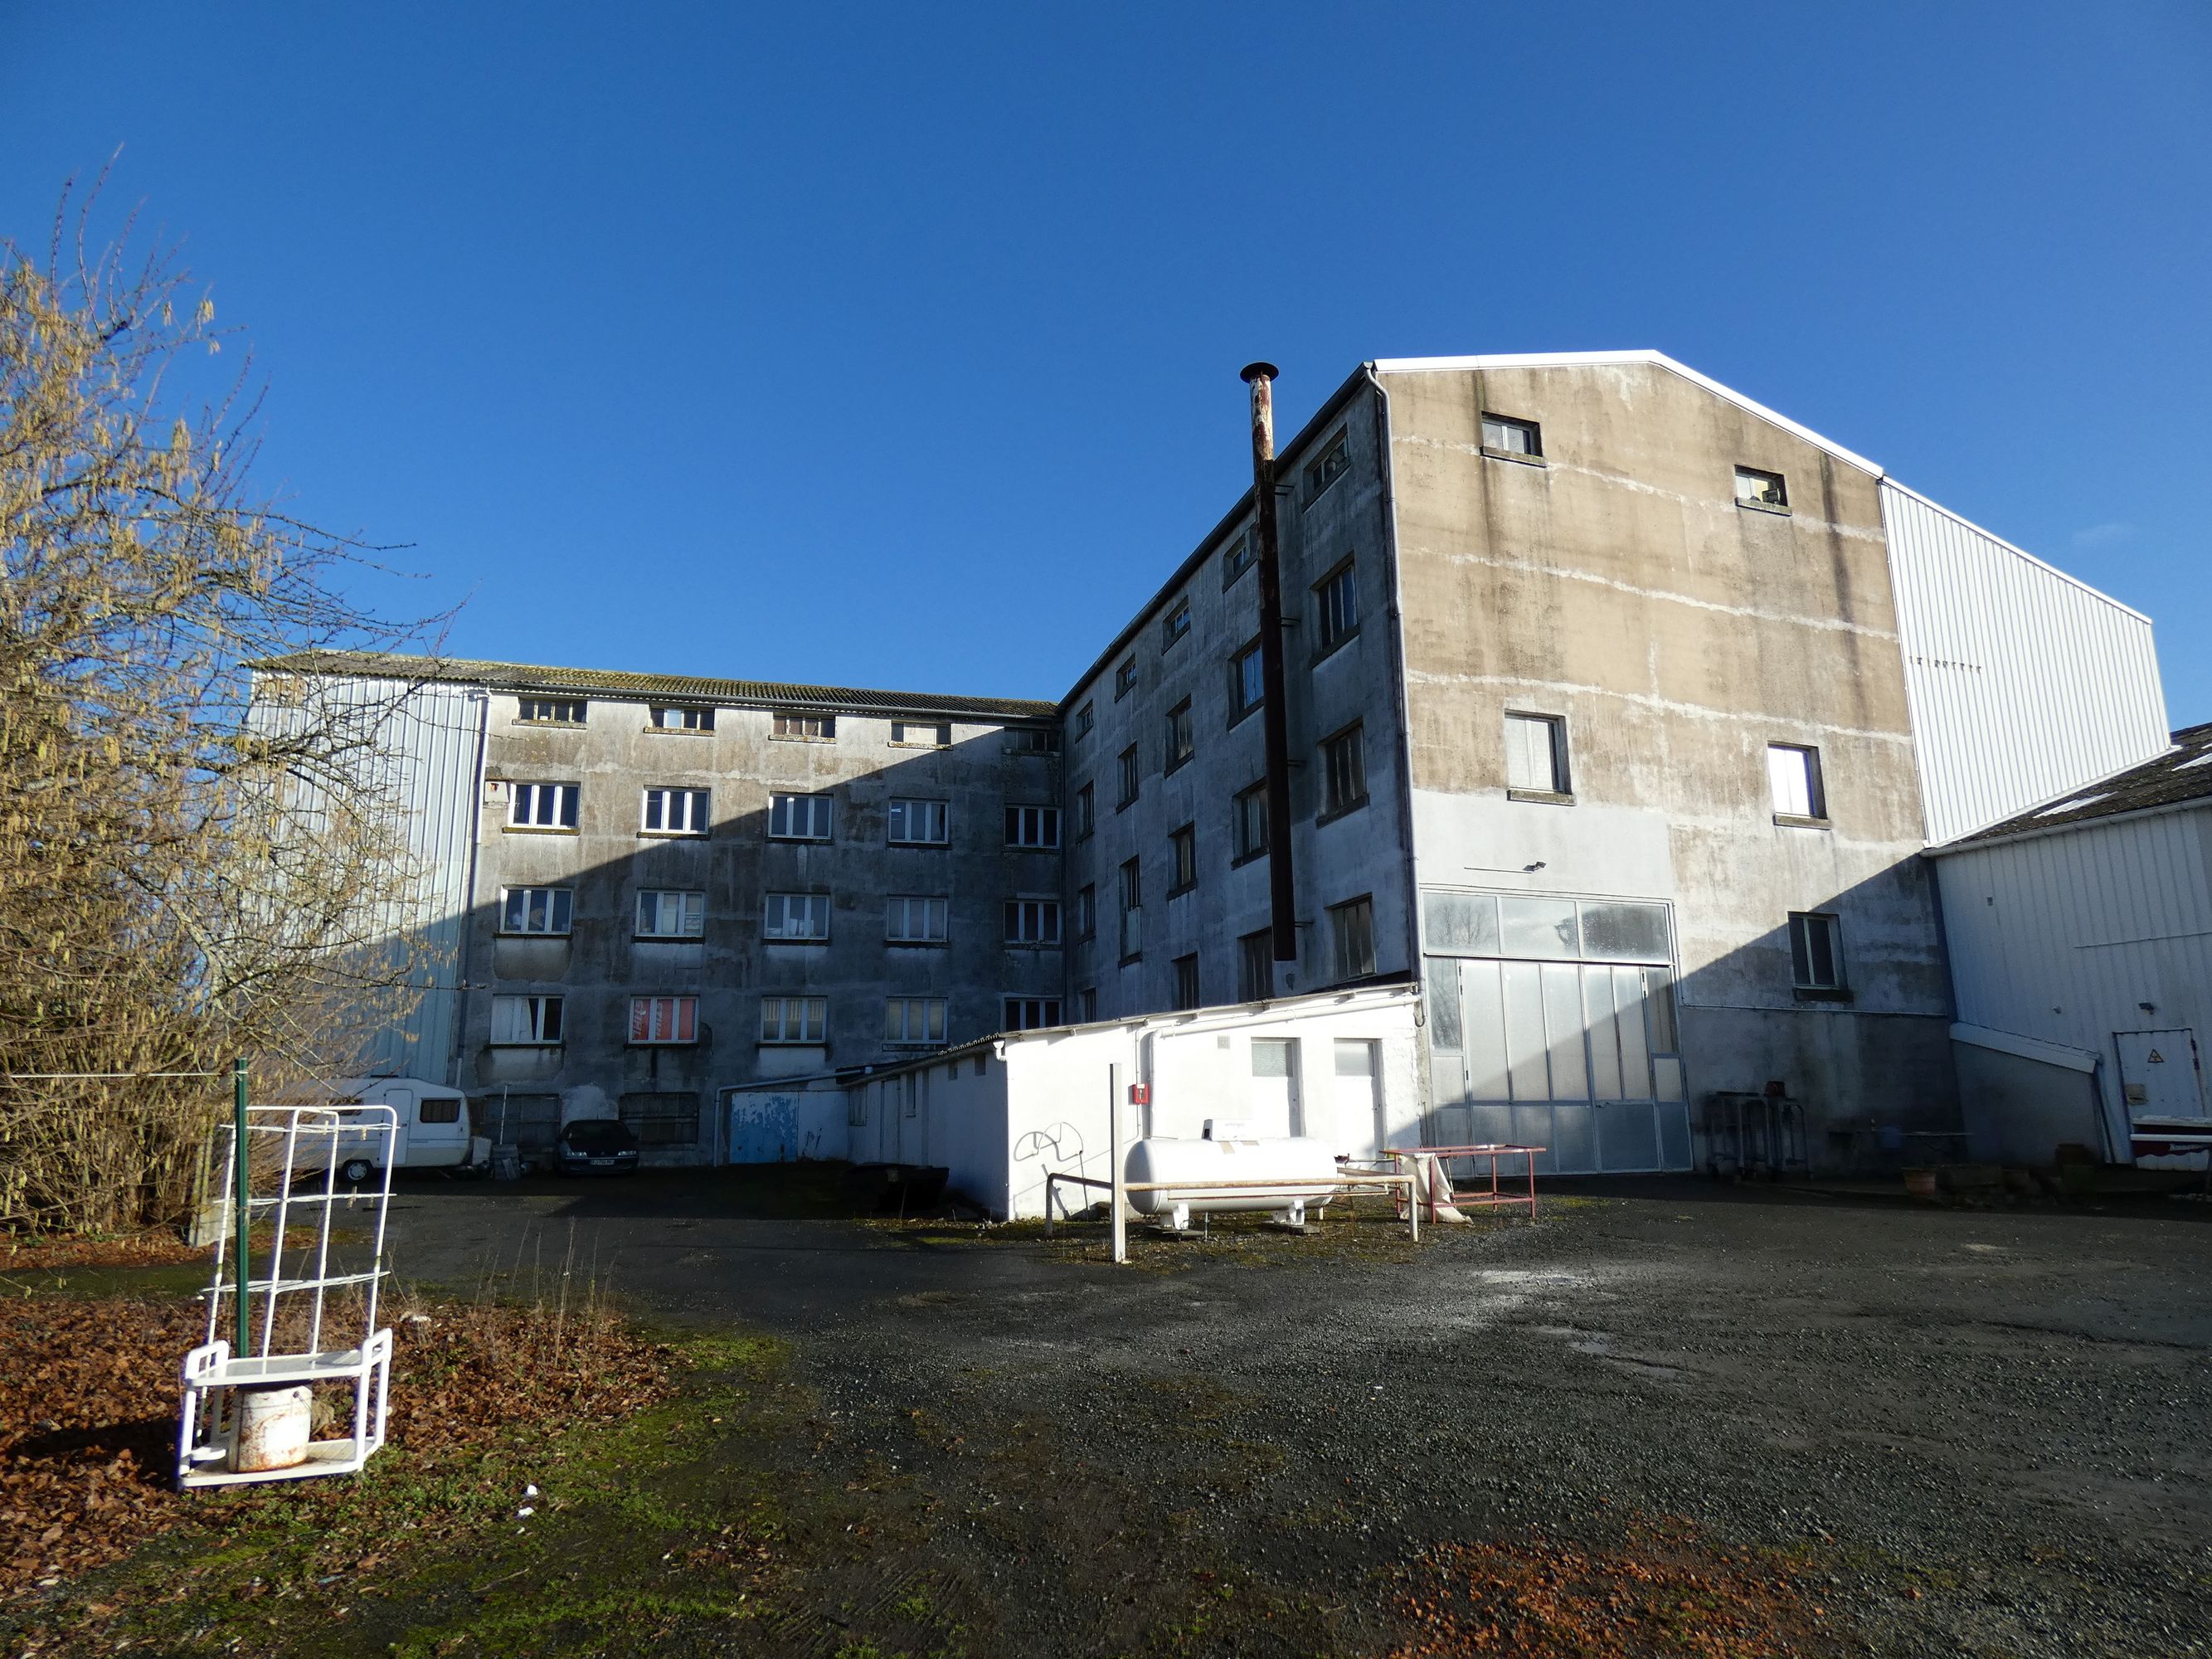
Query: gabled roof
x,y
2182,775
765,694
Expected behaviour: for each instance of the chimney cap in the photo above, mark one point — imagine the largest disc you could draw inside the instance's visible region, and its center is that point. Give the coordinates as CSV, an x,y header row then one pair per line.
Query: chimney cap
x,y
1260,371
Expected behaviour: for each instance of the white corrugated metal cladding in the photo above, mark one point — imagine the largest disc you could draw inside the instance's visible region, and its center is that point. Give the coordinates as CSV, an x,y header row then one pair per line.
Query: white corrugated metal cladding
x,y
2022,682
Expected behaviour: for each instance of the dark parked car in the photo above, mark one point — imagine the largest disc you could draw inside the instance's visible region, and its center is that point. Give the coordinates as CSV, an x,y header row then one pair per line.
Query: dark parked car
x,y
595,1145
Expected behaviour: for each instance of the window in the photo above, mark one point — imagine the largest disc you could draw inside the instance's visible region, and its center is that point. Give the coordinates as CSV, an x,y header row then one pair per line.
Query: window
x,y
1032,921
1185,985
1129,775
1351,932
675,719
1503,435
1086,718
1255,967
1237,558
550,711
524,1020
535,910
794,1019
920,823
1763,490
433,1111
1086,1003
663,1020
1181,745
1816,951
913,919
542,806
675,811
1032,740
1333,463
921,734
1086,810
670,913
1133,910
1086,911
793,916
1536,754
1176,623
1031,1013
914,1020
798,817
1183,854
668,1118
1248,681
805,728
1793,778
1249,822
1337,602
1344,767
1125,678
1033,826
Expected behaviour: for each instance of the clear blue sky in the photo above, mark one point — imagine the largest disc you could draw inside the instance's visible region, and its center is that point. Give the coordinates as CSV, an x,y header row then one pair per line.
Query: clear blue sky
x,y
898,346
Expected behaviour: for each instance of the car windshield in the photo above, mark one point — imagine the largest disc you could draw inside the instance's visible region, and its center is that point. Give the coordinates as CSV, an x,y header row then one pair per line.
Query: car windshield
x,y
597,1136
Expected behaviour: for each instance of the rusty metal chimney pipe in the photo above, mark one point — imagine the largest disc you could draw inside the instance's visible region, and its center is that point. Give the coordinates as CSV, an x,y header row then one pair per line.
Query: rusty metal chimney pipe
x,y
1274,713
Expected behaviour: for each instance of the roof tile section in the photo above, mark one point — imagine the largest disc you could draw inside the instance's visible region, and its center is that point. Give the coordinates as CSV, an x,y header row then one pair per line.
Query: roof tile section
x,y
763,694
2184,772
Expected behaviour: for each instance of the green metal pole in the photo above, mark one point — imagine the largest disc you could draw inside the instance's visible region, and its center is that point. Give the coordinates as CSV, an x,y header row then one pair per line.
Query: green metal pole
x,y
244,1347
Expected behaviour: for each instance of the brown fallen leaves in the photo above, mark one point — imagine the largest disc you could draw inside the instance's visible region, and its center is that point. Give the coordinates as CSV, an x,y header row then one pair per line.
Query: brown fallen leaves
x,y
88,1410
1662,1592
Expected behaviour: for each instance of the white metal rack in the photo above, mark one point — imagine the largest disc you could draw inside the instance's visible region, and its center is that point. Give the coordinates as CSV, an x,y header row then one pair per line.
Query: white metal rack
x,y
295,1151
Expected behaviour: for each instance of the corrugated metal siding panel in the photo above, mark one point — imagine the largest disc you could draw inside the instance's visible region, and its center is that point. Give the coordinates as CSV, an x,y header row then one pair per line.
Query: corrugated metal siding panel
x,y
2022,682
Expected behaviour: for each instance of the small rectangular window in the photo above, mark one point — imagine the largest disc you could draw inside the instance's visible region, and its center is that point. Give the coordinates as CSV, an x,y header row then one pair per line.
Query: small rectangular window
x,y
794,1019
1182,738
1344,769
1129,774
1237,557
669,913
1503,435
1086,912
550,711
804,728
1033,826
1793,779
1031,1013
1248,681
1182,857
790,917
1133,910
675,811
1249,822
798,817
1125,678
1765,490
518,1022
1255,967
920,823
916,918
1816,951
1031,740
1536,754
678,718
1185,982
1086,718
914,1020
535,910
1176,623
1032,921
1337,604
542,805
1352,934
1332,465
921,734
1086,1003
659,1020
1086,810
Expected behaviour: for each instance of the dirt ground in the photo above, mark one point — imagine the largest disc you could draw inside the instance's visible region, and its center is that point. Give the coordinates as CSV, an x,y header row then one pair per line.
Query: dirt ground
x,y
1670,1418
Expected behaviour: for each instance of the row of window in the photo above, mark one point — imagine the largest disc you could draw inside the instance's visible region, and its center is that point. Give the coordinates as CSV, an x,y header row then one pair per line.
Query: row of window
x,y
1512,438
534,1021
671,914
677,811
1537,764
1343,757
785,726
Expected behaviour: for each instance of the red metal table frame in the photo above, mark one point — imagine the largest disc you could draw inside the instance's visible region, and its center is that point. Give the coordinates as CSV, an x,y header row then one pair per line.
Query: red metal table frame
x,y
1476,1198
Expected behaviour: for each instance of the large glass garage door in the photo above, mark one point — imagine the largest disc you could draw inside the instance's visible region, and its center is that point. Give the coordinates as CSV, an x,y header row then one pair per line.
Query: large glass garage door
x,y
1550,1023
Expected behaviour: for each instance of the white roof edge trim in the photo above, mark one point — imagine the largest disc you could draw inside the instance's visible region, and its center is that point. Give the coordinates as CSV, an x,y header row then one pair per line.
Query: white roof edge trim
x,y
1889,482
1653,359
2028,1047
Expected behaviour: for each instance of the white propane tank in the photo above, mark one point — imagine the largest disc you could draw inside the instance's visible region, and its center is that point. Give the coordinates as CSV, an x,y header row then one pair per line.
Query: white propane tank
x,y
1295,1162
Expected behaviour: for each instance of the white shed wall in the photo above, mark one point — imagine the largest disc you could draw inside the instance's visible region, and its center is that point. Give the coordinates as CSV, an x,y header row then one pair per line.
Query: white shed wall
x,y
2022,682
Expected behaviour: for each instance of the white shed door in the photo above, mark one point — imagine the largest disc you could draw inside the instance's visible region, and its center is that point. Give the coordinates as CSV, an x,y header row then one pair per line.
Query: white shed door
x,y
1273,1101
2158,1075
1359,1100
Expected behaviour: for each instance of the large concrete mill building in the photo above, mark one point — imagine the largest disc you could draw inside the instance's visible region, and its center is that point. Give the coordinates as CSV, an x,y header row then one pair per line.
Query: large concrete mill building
x,y
1613,708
